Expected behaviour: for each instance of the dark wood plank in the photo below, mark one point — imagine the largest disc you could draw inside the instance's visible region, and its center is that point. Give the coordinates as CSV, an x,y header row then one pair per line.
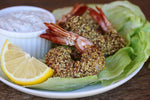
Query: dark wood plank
x,y
53,4
138,88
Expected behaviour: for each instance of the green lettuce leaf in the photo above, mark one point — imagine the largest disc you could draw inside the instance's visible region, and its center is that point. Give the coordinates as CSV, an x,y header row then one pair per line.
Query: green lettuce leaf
x,y
61,11
125,17
141,46
112,67
65,84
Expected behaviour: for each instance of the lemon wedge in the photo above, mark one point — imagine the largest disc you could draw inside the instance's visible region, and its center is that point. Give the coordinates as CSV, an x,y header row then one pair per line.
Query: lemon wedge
x,y
21,68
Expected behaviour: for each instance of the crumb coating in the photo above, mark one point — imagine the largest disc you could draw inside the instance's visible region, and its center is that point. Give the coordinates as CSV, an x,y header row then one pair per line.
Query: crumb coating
x,y
85,26
90,63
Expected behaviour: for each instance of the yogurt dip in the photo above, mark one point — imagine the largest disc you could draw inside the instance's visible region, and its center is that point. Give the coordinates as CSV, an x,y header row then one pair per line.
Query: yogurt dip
x,y
24,21
22,25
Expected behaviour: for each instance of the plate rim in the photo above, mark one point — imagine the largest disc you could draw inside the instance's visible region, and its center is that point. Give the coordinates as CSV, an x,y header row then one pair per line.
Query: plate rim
x,y
66,95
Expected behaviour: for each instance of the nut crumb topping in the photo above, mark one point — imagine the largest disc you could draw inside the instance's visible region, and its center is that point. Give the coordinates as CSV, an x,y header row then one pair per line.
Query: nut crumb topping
x,y
85,26
90,63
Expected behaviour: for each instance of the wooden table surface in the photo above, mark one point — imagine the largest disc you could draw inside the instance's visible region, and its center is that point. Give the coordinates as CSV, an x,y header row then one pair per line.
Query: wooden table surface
x,y
138,88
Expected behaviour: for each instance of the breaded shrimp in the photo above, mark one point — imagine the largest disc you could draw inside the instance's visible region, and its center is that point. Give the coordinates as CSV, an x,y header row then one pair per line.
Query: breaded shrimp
x,y
95,27
91,62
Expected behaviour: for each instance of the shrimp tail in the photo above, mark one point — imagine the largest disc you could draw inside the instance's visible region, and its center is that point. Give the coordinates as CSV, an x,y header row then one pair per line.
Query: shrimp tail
x,y
77,10
53,38
57,34
101,19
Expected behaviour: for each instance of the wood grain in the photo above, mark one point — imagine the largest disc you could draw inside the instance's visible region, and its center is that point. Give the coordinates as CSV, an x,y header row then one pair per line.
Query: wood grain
x,y
138,88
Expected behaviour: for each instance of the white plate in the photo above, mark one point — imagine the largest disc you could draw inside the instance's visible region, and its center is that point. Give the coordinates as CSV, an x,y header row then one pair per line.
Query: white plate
x,y
83,92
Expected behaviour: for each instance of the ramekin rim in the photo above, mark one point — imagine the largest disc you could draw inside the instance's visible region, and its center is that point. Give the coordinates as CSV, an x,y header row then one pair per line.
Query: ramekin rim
x,y
25,34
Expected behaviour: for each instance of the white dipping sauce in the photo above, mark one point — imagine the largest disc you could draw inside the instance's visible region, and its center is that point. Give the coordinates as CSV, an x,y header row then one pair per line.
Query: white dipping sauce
x,y
24,21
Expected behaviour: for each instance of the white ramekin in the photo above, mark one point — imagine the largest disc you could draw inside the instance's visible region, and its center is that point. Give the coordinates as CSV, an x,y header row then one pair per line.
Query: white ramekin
x,y
30,42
